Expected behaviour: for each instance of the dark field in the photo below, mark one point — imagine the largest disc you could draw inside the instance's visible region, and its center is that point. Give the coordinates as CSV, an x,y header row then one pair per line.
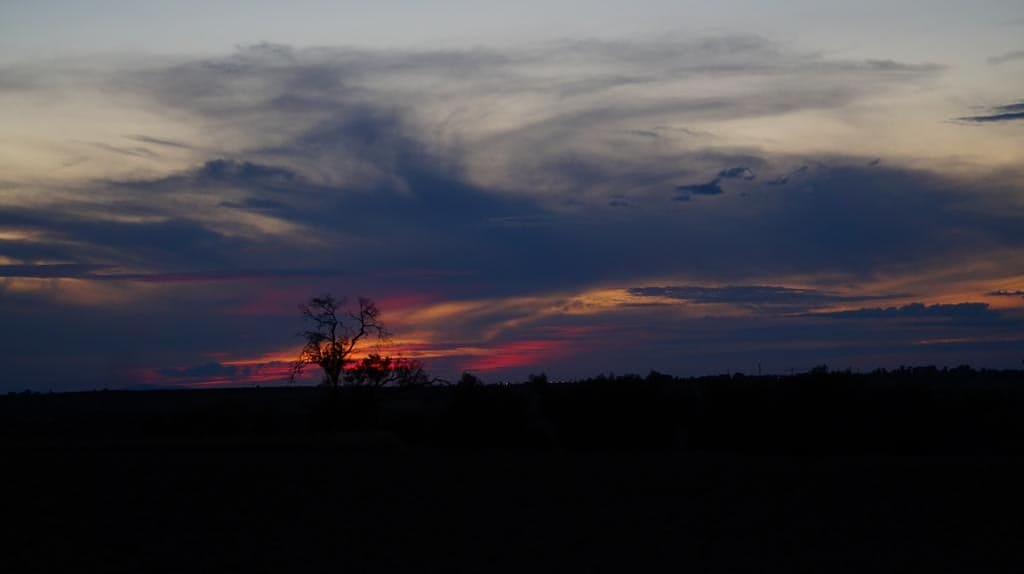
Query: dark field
x,y
894,472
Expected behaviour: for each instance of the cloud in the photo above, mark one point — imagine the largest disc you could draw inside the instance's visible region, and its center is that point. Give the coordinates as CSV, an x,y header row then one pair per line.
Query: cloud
x,y
138,236
137,151
784,179
684,192
499,183
580,96
755,296
903,67
1005,113
738,172
962,311
1006,293
52,271
1007,57
158,141
372,161
234,218
713,187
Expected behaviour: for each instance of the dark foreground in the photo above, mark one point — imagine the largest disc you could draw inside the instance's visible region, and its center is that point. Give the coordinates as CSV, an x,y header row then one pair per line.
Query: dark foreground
x,y
600,477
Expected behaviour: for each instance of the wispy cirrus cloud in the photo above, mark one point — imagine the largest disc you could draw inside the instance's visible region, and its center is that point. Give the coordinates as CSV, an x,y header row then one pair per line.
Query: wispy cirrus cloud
x,y
524,190
158,141
1004,113
1013,56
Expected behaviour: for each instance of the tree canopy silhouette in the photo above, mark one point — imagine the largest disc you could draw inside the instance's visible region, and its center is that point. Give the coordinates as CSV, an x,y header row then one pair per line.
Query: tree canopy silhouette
x,y
338,334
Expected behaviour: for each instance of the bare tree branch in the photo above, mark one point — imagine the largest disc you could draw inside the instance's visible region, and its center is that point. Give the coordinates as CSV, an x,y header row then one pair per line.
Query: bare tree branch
x,y
338,334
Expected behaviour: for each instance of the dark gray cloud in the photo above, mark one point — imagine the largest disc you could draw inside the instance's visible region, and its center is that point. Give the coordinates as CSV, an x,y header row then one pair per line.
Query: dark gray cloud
x,y
427,213
739,172
244,173
960,311
1005,113
1007,57
158,141
81,233
684,192
714,186
1007,293
784,179
135,151
901,67
840,219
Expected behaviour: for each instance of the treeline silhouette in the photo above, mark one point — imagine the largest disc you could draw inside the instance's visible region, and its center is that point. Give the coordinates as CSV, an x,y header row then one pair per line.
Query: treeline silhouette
x,y
923,410
609,474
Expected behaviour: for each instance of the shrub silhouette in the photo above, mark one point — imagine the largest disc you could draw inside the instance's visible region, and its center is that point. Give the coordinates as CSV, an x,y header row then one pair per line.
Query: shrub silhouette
x,y
376,370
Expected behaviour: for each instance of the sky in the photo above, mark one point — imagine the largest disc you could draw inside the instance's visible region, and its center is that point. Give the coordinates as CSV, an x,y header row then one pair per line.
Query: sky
x,y
565,187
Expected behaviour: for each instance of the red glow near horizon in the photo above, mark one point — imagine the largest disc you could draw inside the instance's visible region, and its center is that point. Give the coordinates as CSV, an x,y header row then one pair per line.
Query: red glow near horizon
x,y
262,374
248,375
515,354
520,354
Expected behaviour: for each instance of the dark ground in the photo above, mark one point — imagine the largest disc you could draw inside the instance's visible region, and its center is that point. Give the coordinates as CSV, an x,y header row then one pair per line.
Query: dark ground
x,y
821,473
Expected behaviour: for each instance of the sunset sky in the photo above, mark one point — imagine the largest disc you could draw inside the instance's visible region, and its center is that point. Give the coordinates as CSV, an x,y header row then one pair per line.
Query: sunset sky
x,y
565,186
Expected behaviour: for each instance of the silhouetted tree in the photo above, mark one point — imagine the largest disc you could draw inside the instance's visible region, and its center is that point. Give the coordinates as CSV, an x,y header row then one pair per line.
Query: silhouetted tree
x,y
339,334
335,334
